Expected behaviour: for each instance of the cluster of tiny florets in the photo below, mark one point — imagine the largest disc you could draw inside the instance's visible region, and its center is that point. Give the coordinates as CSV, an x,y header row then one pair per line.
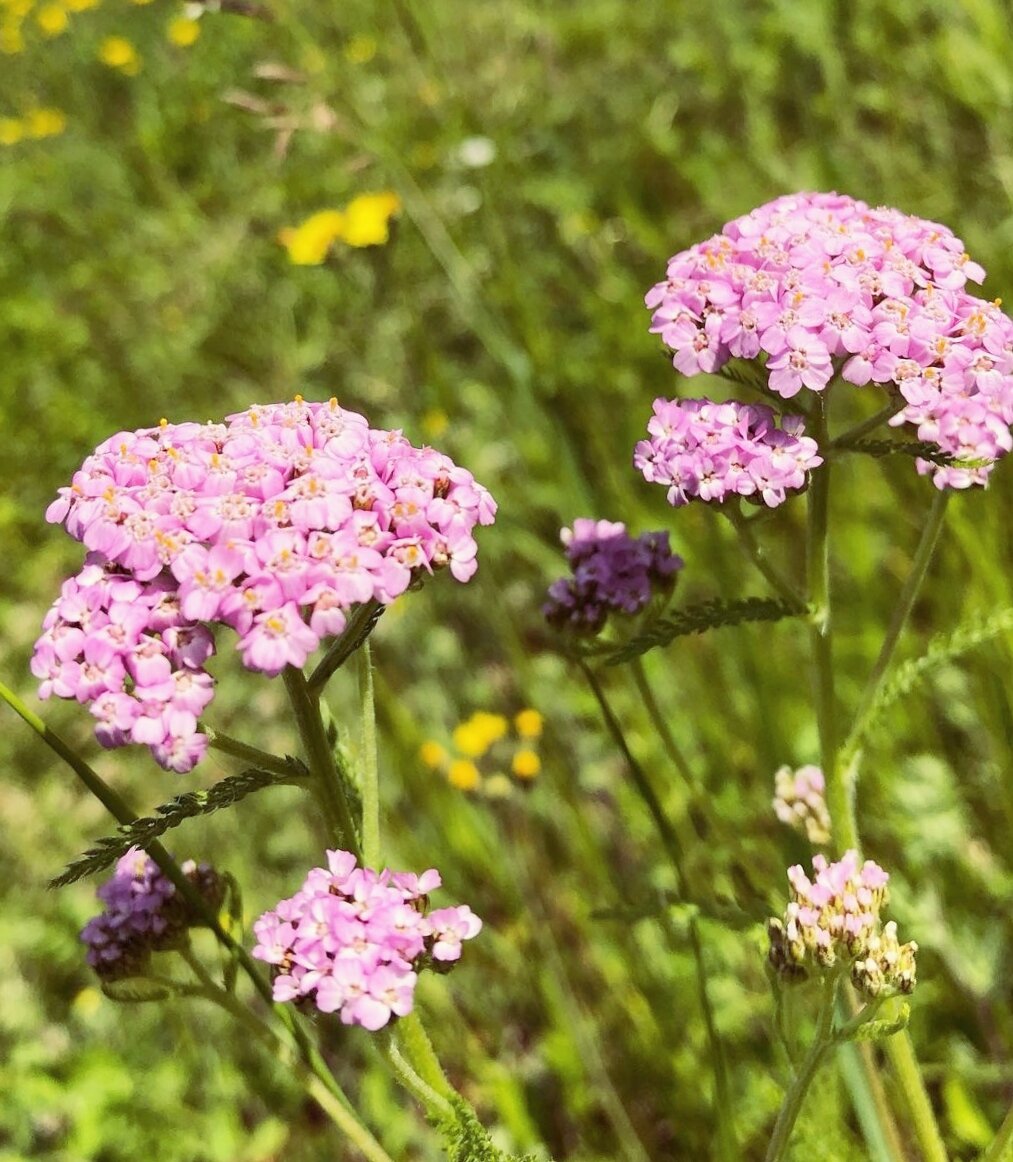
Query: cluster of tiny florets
x,y
274,523
833,920
612,573
353,940
714,451
816,285
143,914
799,801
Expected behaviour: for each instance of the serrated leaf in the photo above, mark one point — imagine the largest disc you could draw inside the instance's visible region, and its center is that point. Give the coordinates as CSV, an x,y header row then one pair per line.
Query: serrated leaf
x,y
971,632
921,449
700,618
144,831
885,1027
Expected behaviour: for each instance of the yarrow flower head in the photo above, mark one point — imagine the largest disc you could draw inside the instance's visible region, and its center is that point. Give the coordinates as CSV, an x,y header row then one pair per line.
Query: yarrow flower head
x,y
353,940
799,801
833,921
712,451
612,573
818,285
274,523
143,914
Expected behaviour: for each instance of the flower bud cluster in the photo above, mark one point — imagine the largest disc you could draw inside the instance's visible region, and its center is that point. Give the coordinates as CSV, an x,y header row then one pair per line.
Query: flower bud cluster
x,y
713,451
833,919
799,801
275,523
815,285
612,573
353,940
143,914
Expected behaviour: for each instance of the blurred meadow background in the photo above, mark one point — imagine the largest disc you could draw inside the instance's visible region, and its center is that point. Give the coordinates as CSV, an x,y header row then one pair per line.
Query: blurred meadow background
x,y
157,165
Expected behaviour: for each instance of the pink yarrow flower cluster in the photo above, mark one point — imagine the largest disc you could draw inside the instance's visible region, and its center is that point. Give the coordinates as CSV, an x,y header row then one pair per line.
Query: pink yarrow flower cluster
x,y
814,285
713,451
800,802
275,523
353,940
833,918
143,914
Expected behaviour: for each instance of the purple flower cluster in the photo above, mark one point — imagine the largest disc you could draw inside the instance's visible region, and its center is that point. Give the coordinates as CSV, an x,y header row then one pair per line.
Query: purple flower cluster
x,y
820,284
711,451
275,523
834,919
143,914
612,573
353,940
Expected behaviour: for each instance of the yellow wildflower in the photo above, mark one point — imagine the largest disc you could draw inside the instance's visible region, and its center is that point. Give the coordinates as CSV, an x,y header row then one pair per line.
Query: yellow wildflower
x,y
463,775
52,19
182,31
474,737
528,723
11,41
309,243
498,787
434,423
367,219
118,53
11,131
360,50
432,754
526,764
45,123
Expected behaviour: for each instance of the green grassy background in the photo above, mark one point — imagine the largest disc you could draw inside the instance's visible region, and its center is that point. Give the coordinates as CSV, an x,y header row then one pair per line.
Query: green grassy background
x,y
140,277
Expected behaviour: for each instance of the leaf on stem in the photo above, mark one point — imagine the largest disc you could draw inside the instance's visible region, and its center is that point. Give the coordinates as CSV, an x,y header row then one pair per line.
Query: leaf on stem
x,y
919,448
144,831
699,618
880,1029
972,631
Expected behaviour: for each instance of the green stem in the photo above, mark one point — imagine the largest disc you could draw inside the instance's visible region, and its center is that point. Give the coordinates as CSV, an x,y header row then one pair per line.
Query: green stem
x,y
320,758
793,1099
840,798
640,780
660,723
723,1103
435,1104
329,1096
360,625
902,612
901,1055
754,550
1001,1149
866,426
369,765
262,759
124,814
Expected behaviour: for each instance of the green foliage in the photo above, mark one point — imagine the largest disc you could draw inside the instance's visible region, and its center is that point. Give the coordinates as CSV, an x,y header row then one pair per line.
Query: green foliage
x,y
694,619
140,276
972,632
145,831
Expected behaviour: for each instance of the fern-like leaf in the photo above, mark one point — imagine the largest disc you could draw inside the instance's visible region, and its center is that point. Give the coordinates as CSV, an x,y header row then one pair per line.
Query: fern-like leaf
x,y
148,828
969,634
699,618
919,448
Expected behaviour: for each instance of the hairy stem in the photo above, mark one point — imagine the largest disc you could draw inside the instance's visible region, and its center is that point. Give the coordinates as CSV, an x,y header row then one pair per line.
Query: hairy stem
x,y
262,759
320,758
840,798
360,625
756,553
868,425
369,766
793,1099
902,611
